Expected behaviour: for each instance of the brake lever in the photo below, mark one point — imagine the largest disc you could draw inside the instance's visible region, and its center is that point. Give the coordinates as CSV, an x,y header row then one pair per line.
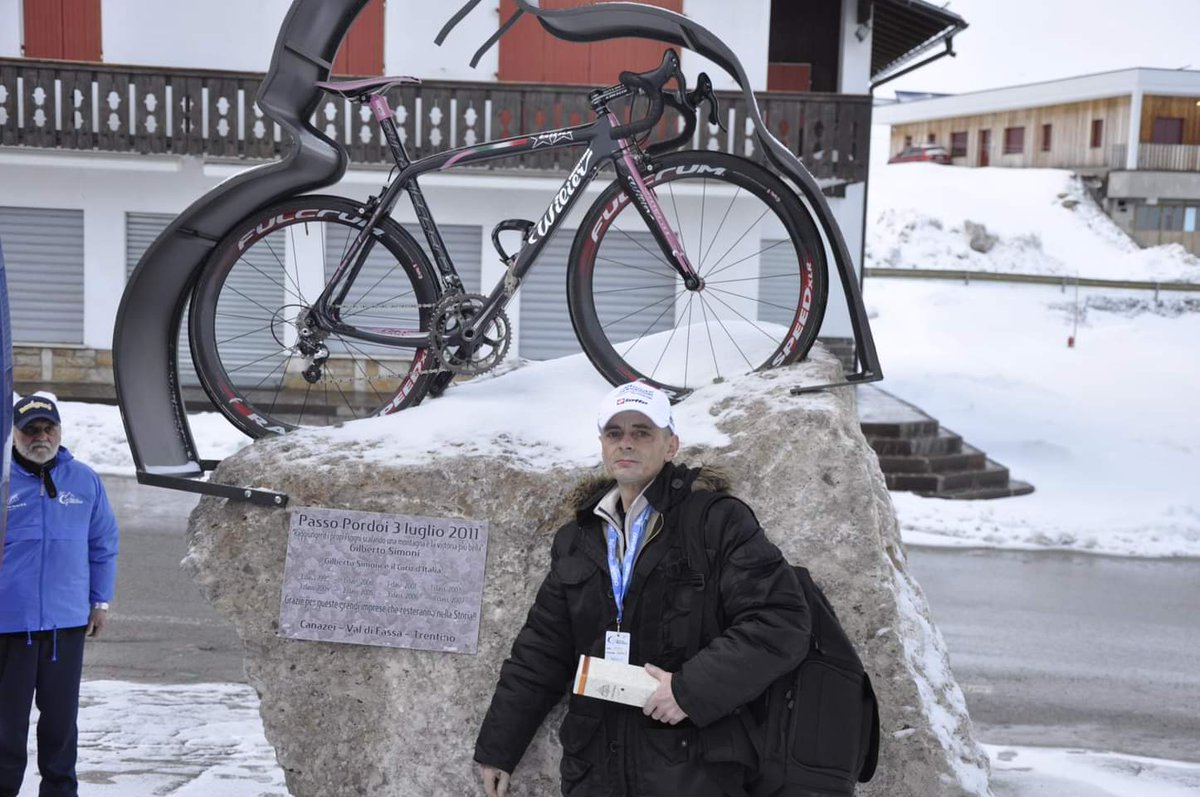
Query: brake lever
x,y
704,93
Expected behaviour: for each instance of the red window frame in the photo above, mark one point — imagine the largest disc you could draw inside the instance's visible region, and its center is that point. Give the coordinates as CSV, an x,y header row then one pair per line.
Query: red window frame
x,y
1047,137
1097,133
958,145
361,52
63,30
1014,140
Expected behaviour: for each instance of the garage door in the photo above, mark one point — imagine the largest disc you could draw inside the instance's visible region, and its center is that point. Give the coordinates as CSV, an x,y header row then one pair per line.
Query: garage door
x,y
546,330
43,254
141,230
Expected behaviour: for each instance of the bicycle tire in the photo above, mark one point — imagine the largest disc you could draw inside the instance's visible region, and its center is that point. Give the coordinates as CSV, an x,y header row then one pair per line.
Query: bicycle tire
x,y
251,293
614,258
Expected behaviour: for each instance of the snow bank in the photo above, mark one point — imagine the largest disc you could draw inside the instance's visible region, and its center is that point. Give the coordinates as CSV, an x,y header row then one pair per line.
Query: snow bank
x,y
1043,220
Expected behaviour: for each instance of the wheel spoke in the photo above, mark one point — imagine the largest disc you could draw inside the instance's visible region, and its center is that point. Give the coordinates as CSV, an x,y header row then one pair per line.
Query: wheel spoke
x,y
747,257
732,340
732,246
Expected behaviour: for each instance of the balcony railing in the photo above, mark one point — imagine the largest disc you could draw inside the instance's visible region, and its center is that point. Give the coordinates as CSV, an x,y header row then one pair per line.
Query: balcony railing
x,y
1159,157
59,105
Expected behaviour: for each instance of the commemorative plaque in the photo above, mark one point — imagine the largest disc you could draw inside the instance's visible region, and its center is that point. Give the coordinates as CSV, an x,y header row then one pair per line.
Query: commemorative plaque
x,y
393,580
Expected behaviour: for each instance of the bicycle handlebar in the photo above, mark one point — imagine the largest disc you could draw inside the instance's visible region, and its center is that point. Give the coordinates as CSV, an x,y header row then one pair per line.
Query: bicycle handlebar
x,y
651,84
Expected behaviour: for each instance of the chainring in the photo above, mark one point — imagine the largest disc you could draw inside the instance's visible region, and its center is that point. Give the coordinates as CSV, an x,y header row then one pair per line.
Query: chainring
x,y
485,352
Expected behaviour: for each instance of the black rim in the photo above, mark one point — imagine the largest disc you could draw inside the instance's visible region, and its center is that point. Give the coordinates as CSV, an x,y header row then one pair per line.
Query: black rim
x,y
249,304
751,242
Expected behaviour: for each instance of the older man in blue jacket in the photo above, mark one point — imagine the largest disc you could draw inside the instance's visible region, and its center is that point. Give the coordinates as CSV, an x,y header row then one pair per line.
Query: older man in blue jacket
x,y
56,579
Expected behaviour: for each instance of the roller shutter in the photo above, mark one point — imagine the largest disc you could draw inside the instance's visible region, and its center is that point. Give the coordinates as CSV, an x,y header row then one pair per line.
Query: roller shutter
x,y
141,230
43,252
546,330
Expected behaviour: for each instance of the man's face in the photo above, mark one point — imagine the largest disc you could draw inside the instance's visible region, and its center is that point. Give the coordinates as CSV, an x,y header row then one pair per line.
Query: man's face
x,y
634,449
38,441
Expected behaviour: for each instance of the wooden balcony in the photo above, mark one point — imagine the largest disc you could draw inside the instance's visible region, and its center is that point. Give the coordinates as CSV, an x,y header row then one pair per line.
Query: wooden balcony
x,y
105,108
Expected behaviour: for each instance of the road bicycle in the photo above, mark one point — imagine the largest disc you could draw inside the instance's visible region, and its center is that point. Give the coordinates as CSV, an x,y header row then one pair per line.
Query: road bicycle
x,y
688,268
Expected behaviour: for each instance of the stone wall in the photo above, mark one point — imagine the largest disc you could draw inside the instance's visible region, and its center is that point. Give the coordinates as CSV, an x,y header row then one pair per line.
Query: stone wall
x,y
70,372
354,720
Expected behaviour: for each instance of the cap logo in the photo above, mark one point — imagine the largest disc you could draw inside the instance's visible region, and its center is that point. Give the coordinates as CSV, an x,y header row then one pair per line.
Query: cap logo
x,y
35,405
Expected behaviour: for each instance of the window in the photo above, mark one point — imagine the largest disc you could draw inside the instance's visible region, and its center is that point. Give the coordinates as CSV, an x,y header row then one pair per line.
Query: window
x,y
1097,133
1046,137
907,142
1014,140
958,145
528,55
62,29
1172,218
932,139
1167,130
1189,220
361,52
1147,218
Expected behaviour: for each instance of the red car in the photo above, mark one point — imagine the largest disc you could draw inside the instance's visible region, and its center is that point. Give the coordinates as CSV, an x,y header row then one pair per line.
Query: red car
x,y
929,153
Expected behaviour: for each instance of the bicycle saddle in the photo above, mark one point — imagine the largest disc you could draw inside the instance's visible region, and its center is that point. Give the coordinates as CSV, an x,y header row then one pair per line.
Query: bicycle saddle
x,y
360,88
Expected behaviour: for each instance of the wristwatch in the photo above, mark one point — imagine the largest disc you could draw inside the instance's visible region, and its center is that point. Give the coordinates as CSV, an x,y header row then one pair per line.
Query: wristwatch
x,y
100,605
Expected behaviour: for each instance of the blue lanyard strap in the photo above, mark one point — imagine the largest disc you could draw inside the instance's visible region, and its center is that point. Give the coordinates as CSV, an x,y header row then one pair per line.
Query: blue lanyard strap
x,y
621,571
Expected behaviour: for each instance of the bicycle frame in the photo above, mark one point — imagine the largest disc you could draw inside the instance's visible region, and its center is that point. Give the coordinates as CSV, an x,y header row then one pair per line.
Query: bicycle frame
x,y
601,146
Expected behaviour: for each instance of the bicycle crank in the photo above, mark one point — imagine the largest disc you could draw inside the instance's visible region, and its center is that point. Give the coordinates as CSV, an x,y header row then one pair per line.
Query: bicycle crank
x,y
450,335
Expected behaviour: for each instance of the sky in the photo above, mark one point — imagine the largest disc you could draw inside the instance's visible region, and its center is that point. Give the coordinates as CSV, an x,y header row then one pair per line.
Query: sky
x,y
1011,42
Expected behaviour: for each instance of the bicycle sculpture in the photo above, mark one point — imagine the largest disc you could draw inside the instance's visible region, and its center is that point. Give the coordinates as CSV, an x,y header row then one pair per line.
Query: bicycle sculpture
x,y
728,260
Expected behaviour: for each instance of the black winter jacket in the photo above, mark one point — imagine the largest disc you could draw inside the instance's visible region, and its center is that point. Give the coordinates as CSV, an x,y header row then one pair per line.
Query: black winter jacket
x,y
611,749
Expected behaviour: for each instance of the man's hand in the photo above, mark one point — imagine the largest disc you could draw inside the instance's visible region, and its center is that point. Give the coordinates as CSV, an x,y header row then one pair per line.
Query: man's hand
x,y
495,781
661,705
96,621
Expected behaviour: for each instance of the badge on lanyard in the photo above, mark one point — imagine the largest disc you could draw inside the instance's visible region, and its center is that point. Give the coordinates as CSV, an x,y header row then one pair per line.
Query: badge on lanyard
x,y
620,569
616,646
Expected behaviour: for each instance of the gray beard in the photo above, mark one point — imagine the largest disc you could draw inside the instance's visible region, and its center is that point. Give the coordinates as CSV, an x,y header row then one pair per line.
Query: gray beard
x,y
41,454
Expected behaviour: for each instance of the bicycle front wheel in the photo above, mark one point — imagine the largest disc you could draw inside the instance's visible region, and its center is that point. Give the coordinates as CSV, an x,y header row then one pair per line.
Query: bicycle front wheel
x,y
261,357
758,253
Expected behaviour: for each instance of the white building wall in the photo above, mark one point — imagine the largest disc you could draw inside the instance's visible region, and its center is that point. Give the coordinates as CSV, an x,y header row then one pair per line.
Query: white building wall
x,y
408,47
204,36
854,73
744,26
218,34
10,28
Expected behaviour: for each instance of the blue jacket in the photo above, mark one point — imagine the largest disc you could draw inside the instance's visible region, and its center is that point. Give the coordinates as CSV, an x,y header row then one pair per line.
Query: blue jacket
x,y
60,554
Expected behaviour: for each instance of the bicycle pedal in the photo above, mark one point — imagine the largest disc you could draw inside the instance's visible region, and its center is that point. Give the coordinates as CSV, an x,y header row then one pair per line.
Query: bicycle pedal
x,y
522,226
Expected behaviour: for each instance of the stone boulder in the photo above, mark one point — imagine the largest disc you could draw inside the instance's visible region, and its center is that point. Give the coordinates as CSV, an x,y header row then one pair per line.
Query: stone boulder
x,y
358,720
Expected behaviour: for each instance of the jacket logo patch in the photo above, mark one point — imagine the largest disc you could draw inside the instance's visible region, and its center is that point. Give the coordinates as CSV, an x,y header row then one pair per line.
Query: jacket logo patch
x,y
69,499
35,405
15,502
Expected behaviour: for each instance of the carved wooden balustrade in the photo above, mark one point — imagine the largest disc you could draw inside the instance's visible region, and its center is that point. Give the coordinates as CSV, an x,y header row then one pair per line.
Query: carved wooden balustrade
x,y
70,106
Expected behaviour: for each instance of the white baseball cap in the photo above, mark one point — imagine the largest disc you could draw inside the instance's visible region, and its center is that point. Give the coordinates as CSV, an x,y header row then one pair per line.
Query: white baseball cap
x,y
638,397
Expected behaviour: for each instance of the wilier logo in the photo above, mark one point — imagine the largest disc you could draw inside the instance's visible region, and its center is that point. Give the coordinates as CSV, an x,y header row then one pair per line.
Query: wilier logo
x,y
550,139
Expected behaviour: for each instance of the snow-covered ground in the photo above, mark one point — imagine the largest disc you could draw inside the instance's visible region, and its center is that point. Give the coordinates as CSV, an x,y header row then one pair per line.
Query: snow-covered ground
x,y
206,740
1043,220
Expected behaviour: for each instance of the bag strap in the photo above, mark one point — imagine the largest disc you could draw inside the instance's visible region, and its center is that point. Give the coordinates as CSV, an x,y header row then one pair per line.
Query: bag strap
x,y
704,622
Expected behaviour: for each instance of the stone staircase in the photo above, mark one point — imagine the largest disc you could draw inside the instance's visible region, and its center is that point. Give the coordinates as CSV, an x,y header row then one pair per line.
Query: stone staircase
x,y
916,454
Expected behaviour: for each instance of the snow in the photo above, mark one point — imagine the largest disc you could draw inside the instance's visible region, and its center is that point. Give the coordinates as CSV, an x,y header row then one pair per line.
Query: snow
x,y
918,214
206,740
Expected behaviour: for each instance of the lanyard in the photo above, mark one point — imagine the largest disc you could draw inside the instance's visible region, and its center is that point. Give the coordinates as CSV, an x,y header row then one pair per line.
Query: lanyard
x,y
622,571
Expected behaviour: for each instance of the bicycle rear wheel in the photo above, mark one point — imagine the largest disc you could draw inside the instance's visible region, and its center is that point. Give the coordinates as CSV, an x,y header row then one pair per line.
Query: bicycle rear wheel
x,y
755,247
253,343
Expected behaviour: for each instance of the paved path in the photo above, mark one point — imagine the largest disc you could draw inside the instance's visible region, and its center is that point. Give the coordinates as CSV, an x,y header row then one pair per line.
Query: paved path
x,y
1051,649
1072,650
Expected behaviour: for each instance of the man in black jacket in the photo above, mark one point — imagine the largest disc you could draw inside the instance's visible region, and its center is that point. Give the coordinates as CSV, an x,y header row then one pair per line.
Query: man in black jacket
x,y
621,587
